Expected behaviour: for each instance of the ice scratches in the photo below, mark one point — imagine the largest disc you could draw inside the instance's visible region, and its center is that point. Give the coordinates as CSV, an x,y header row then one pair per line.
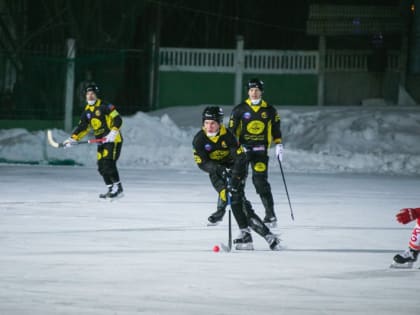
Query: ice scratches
x,y
341,250
372,274
40,203
121,230
116,252
335,227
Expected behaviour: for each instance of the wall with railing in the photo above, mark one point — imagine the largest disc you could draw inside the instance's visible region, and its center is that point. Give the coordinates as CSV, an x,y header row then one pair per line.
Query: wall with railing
x,y
191,76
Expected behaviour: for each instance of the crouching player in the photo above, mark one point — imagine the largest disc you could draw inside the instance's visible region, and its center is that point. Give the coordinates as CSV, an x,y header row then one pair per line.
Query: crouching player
x,y
217,152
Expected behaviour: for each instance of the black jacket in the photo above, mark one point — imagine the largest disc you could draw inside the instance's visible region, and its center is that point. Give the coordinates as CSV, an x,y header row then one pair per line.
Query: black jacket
x,y
255,125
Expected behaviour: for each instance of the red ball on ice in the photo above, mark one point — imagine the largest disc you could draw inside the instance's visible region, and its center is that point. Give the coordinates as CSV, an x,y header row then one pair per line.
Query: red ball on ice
x,y
216,248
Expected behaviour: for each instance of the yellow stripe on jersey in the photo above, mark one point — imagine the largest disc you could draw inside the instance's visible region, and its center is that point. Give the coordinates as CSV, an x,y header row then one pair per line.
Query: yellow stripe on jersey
x,y
269,133
114,114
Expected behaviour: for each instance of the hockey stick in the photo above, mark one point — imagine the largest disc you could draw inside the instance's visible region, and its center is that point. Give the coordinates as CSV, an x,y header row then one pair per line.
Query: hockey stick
x,y
287,192
228,248
56,144
230,230
229,200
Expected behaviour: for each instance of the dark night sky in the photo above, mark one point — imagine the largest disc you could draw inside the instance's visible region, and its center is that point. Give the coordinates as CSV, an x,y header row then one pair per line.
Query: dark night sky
x,y
265,24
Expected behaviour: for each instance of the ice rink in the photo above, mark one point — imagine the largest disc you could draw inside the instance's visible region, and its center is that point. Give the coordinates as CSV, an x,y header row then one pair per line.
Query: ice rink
x,y
65,252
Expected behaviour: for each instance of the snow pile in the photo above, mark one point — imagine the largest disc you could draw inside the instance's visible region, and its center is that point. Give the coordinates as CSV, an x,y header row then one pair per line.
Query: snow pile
x,y
362,140
354,139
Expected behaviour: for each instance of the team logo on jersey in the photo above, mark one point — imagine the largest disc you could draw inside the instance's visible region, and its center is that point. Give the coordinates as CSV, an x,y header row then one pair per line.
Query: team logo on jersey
x,y
96,123
255,127
260,167
98,112
197,159
247,115
224,145
207,147
219,154
264,115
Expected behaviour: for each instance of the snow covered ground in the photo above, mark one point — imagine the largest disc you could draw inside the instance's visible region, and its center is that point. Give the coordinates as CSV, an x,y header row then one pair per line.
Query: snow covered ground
x,y
346,140
65,252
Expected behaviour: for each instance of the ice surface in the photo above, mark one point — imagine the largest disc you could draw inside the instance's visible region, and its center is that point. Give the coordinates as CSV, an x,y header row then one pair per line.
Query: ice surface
x,y
348,170
65,252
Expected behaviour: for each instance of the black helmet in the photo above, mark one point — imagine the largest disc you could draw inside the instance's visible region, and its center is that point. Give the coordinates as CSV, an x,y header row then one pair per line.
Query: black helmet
x,y
255,83
92,88
213,113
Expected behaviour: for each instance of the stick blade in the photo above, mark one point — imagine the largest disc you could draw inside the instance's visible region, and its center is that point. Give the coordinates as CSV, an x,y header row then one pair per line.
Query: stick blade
x,y
51,140
225,248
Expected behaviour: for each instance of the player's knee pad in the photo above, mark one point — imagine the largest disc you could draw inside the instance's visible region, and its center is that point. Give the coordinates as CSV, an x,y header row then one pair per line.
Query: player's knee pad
x,y
239,214
217,182
101,167
261,184
247,208
107,167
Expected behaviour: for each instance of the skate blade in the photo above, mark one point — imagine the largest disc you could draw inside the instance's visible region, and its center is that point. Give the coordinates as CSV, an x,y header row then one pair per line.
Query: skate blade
x,y
214,224
119,196
248,246
271,225
408,265
277,247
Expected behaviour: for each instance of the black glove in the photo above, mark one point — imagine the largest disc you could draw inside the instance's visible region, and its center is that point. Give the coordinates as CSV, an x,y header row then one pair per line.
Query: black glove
x,y
234,184
223,172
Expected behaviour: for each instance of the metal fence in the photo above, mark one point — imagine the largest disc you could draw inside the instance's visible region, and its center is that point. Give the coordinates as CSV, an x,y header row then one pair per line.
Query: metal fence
x,y
268,61
37,89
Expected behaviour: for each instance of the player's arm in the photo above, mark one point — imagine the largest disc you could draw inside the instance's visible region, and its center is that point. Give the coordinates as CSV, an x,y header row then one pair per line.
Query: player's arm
x,y
276,132
234,122
82,128
237,151
114,124
116,120
202,160
407,215
79,132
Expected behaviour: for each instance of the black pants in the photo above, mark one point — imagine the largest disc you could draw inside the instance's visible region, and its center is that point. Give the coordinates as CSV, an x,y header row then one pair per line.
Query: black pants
x,y
259,165
242,209
108,154
245,216
219,184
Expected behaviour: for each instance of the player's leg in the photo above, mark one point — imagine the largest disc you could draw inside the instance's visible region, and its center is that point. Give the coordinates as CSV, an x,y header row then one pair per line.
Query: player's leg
x,y
260,180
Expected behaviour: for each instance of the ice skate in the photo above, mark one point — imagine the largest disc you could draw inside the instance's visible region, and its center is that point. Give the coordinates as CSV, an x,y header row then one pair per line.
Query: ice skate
x,y
273,241
270,221
216,217
116,191
405,260
106,194
244,240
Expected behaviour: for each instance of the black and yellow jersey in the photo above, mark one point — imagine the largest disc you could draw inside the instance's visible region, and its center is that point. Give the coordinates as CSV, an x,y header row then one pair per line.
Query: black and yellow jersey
x,y
101,118
222,149
255,125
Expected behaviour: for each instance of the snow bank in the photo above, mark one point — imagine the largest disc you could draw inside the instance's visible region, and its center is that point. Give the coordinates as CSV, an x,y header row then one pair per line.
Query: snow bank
x,y
361,140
